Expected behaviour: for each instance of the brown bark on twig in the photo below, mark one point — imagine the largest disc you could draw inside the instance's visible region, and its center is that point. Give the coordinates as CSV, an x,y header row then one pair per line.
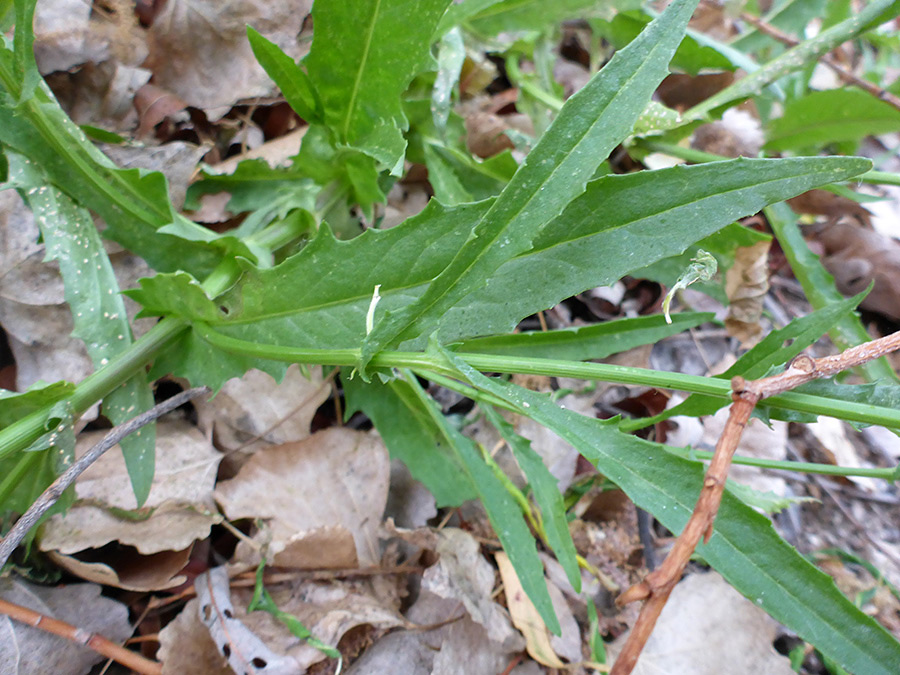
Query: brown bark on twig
x,y
98,643
657,586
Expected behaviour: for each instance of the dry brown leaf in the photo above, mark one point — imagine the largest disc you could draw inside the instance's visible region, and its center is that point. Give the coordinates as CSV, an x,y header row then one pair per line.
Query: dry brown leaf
x,y
825,203
101,94
62,35
708,628
180,506
179,511
334,478
243,649
254,405
525,616
29,651
199,49
746,285
185,646
463,574
328,609
856,257
130,570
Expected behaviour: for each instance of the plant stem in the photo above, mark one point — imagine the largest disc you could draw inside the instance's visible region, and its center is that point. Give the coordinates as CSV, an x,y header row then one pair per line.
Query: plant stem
x,y
786,465
427,363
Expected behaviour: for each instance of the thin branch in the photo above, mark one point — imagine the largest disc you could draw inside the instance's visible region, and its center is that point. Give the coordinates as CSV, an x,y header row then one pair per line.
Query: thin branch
x,y
657,586
80,636
52,494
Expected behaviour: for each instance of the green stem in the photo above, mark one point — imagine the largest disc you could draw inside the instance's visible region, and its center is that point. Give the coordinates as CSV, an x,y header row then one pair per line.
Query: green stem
x,y
793,59
419,361
785,465
23,432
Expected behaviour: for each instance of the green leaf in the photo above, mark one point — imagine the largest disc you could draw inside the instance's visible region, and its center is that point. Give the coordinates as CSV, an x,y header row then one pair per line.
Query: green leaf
x,y
744,547
415,432
833,116
450,58
546,494
27,75
98,311
457,177
520,15
363,56
620,223
690,56
508,522
795,58
580,343
818,286
134,203
255,185
25,476
16,405
777,348
293,82
590,125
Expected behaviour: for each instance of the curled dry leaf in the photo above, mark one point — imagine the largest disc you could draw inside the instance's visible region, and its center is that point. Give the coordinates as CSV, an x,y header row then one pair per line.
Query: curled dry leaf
x,y
746,285
542,646
463,574
244,651
185,646
29,651
179,511
328,609
337,478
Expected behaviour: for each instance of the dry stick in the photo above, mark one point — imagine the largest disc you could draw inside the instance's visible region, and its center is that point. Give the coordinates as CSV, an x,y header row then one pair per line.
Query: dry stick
x,y
49,497
80,636
656,586
839,70
52,494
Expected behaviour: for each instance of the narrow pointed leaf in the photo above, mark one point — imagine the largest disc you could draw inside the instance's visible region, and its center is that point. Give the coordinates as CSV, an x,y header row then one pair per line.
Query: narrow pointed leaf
x,y
363,56
744,547
98,310
590,125
414,435
546,494
291,79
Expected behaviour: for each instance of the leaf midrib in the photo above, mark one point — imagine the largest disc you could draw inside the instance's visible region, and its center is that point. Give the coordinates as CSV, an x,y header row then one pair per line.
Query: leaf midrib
x,y
533,251
354,93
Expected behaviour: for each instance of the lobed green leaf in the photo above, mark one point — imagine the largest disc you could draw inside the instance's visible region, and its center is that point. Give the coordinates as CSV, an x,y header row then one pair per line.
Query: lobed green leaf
x,y
590,125
363,56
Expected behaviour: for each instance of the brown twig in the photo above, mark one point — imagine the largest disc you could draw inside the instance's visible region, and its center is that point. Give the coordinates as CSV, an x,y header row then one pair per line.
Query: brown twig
x,y
837,68
52,494
657,586
80,636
